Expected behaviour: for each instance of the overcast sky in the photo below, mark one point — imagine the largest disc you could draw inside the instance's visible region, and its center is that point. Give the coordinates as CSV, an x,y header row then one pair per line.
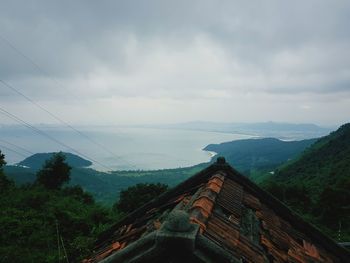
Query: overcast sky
x,y
136,62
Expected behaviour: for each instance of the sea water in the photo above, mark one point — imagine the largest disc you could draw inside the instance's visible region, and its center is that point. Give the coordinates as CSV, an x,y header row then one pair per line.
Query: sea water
x,y
116,148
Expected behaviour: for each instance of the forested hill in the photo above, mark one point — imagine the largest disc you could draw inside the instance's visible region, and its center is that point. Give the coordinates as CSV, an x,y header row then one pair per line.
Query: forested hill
x,y
245,155
325,163
317,184
105,187
266,153
37,160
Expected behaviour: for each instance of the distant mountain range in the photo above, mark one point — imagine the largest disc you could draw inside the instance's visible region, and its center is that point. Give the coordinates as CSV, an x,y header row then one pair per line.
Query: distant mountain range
x,y
263,129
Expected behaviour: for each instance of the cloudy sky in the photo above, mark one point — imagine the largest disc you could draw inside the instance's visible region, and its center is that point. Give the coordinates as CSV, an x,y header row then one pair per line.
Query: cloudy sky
x,y
136,62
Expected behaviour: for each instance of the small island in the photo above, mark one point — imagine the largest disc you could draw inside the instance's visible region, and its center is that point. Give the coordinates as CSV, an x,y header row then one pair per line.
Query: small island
x,y
37,160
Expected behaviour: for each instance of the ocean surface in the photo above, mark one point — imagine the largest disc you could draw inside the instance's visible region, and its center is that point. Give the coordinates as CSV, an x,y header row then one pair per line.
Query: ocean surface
x,y
116,148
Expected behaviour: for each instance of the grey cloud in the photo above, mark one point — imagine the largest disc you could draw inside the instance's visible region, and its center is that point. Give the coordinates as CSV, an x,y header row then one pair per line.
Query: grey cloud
x,y
174,49
75,34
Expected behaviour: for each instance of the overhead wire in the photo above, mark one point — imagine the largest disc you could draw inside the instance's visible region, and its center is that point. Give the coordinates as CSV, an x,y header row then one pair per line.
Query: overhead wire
x,y
83,171
23,55
12,150
43,133
24,156
31,61
15,145
57,118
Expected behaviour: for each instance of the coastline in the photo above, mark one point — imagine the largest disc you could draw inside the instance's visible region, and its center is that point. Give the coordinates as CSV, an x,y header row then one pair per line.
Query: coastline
x,y
211,154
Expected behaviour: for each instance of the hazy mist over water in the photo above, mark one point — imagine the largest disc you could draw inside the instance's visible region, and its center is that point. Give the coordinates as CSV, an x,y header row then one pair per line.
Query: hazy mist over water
x,y
133,148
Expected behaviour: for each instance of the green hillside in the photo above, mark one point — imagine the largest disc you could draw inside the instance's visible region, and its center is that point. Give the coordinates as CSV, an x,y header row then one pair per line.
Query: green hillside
x,y
105,187
251,157
39,221
312,179
37,160
317,184
259,154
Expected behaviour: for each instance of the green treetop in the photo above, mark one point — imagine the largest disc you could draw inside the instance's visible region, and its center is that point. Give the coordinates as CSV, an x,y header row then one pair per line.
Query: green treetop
x,y
137,195
55,172
4,181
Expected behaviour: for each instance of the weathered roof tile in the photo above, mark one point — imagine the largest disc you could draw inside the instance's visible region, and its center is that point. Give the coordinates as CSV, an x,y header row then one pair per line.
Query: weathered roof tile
x,y
237,221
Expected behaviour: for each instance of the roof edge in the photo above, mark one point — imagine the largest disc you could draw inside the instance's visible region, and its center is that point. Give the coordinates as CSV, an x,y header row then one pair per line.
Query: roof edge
x,y
292,217
220,165
193,180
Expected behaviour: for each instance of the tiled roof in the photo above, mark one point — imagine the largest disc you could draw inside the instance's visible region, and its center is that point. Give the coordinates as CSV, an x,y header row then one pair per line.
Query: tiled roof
x,y
223,217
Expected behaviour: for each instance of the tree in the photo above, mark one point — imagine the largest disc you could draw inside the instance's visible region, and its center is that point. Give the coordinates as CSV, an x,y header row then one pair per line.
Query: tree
x,y
137,195
55,172
2,161
78,193
4,181
24,209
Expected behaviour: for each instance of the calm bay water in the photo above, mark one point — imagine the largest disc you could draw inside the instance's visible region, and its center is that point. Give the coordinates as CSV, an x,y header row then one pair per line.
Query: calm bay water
x,y
132,148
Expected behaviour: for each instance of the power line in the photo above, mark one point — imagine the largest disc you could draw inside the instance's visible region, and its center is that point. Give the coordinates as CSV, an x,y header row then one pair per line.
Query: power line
x,y
31,61
19,147
82,171
26,57
16,152
42,133
58,119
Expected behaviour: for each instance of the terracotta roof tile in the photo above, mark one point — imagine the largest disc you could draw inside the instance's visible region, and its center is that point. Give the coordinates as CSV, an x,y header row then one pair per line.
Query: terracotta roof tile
x,y
230,212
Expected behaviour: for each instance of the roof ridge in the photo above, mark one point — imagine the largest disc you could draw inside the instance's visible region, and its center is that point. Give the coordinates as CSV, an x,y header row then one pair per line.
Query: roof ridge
x,y
198,195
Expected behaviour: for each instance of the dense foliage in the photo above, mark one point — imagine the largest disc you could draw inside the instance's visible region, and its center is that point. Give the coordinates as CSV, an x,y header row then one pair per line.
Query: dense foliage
x,y
256,154
317,184
40,224
55,172
106,187
251,157
4,181
135,196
